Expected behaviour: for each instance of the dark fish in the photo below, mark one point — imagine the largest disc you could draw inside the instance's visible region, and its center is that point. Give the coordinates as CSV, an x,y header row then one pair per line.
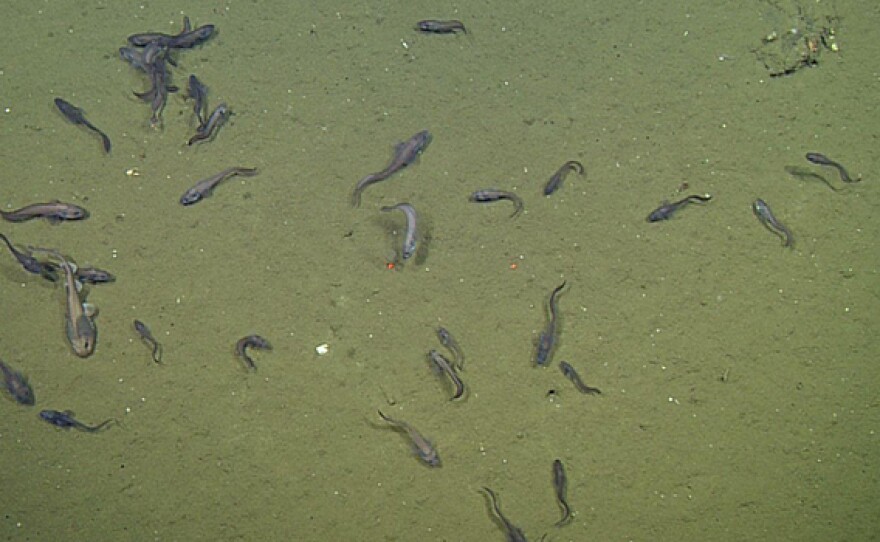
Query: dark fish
x,y
490,195
75,115
47,270
203,188
153,62
450,343
423,447
54,212
514,533
144,38
556,180
822,160
665,211
135,57
434,26
186,39
65,420
404,154
548,336
92,275
572,375
765,215
147,336
442,364
208,129
410,236
191,38
560,484
251,341
17,385
198,92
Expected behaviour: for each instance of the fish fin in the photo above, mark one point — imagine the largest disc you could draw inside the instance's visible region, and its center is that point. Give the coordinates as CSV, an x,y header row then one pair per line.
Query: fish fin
x,y
146,96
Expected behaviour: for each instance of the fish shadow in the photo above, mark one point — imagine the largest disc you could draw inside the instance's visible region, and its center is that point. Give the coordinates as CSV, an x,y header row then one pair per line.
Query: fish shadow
x,y
806,174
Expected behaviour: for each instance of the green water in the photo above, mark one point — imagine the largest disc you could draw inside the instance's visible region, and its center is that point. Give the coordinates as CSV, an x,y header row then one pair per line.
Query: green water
x,y
739,379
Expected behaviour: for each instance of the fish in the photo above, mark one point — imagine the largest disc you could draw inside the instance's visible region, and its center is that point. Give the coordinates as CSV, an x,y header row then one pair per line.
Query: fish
x,y
434,26
443,364
147,336
514,533
556,180
79,324
410,236
198,92
424,449
560,485
17,385
135,57
769,220
572,375
65,420
205,187
76,115
186,39
53,211
548,336
208,129
190,38
251,341
447,340
666,210
404,154
822,160
153,62
490,195
93,275
47,270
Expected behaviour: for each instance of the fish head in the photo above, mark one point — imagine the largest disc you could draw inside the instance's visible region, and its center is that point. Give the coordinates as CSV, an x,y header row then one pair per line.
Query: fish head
x,y
82,336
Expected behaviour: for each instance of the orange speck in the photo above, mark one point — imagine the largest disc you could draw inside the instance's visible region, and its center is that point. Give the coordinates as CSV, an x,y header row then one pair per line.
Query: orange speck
x,y
513,266
389,266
